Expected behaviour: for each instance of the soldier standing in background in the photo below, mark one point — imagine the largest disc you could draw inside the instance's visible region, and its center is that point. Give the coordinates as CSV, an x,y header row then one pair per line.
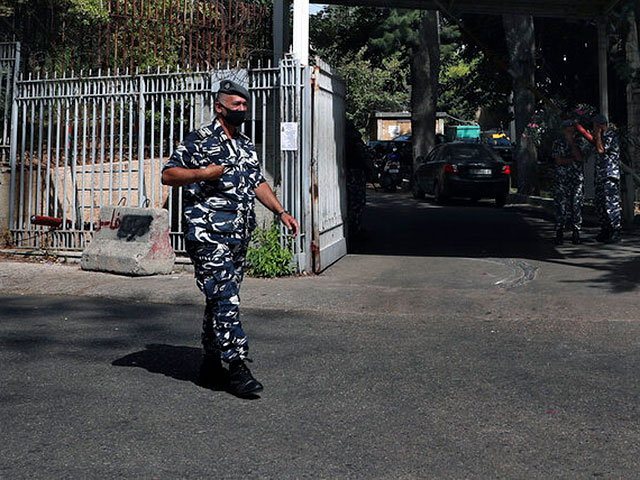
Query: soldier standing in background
x,y
219,169
357,171
607,178
569,182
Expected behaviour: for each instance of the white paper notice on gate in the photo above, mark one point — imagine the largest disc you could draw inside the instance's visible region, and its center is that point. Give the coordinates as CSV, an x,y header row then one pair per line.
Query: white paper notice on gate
x,y
289,136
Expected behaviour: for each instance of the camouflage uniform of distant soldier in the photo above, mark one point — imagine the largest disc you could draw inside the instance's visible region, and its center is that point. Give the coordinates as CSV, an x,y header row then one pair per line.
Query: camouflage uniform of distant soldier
x,y
219,169
569,182
356,162
607,180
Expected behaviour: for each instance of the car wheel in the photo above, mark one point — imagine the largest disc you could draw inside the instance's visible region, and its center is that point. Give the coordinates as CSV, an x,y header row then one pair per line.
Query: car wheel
x,y
416,191
440,198
501,201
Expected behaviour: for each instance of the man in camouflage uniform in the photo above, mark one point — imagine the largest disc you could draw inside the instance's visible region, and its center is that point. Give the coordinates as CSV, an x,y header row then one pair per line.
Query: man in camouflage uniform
x,y
356,163
219,169
569,182
607,180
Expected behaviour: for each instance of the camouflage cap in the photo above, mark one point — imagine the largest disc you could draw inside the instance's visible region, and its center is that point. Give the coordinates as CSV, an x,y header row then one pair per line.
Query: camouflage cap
x,y
230,87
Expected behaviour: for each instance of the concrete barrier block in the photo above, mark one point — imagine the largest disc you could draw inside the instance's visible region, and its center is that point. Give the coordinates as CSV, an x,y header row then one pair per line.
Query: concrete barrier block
x,y
130,241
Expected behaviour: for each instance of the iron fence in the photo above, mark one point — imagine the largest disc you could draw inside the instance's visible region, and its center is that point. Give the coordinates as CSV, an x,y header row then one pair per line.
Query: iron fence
x,y
82,141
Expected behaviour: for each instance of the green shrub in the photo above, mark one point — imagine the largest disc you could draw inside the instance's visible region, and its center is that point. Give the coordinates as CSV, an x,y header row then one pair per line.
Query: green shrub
x,y
266,256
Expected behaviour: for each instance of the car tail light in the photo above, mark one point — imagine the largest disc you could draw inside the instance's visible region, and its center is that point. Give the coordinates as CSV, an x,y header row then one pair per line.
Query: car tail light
x,y
450,168
394,165
506,170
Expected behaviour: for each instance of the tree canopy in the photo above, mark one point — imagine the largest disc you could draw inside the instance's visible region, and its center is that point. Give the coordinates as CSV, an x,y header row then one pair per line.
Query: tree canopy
x,y
372,48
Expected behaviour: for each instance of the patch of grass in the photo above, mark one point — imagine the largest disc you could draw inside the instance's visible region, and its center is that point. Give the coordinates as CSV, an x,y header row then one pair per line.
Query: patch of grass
x,y
266,256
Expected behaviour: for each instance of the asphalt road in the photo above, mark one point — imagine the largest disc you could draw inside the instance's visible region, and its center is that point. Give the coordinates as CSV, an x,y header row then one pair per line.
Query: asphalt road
x,y
411,359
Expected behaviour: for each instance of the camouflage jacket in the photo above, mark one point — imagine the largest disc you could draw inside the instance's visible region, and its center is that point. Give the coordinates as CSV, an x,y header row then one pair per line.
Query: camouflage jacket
x,y
607,165
224,206
562,148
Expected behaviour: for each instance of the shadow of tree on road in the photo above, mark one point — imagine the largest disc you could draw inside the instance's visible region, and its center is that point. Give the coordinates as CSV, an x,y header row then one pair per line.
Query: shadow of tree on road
x,y
396,224
621,275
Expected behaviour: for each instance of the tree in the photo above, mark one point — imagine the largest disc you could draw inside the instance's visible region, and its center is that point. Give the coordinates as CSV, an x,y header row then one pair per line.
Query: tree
x,y
520,37
425,70
373,87
135,34
374,62
54,32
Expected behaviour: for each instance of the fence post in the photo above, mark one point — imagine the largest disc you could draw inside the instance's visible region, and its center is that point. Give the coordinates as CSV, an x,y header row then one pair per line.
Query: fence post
x,y
307,167
141,125
13,141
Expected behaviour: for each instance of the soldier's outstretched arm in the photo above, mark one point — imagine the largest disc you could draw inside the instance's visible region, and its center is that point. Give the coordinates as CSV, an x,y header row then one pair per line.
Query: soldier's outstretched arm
x,y
269,200
178,176
583,131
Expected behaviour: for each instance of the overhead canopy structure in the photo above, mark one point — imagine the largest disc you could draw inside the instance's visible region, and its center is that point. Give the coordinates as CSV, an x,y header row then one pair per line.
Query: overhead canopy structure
x,y
585,9
568,9
588,10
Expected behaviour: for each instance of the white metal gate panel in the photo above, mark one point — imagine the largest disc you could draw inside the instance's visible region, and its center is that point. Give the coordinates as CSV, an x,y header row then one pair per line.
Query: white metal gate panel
x,y
328,170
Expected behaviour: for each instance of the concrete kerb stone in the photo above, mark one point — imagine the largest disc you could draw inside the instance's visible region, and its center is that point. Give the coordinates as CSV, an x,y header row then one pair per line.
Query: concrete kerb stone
x,y
130,241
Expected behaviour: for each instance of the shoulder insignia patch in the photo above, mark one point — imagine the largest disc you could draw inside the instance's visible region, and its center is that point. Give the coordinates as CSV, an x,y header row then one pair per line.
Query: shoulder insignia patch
x,y
204,132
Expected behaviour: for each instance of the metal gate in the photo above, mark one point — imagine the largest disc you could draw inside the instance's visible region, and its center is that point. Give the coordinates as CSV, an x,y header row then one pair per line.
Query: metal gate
x,y
82,141
328,170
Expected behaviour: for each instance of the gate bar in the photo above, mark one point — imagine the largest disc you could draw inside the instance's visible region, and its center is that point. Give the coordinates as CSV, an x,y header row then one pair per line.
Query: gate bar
x,y
13,142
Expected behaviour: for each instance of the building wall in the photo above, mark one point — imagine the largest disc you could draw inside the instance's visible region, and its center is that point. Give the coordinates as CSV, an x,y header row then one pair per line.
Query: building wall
x,y
389,128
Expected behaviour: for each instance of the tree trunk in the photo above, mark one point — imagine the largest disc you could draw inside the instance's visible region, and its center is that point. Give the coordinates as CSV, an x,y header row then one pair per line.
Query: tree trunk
x,y
633,114
520,37
425,69
633,90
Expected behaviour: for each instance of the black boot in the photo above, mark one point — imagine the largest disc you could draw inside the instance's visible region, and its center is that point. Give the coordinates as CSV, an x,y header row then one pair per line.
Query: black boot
x,y
575,239
559,240
241,382
614,237
603,235
212,375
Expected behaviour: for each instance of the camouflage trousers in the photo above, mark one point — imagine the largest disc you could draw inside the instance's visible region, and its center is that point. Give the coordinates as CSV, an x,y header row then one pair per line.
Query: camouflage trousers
x,y
569,199
607,203
219,269
356,199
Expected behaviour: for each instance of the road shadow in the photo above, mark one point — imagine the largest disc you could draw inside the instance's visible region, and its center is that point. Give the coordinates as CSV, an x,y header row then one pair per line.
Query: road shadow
x,y
181,363
397,224
618,273
178,362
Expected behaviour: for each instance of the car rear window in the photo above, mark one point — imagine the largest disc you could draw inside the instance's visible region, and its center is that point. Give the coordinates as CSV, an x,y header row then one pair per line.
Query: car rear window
x,y
474,153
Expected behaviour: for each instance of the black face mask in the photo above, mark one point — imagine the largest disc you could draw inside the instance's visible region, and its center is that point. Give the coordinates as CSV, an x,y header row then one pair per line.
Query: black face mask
x,y
235,117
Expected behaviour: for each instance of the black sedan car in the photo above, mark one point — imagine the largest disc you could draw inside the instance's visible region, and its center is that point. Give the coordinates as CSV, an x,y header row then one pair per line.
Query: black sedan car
x,y
469,170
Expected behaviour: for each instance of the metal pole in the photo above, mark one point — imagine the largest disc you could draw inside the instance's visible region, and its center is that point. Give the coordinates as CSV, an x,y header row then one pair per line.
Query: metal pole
x,y
306,153
301,31
602,68
141,125
278,30
13,143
